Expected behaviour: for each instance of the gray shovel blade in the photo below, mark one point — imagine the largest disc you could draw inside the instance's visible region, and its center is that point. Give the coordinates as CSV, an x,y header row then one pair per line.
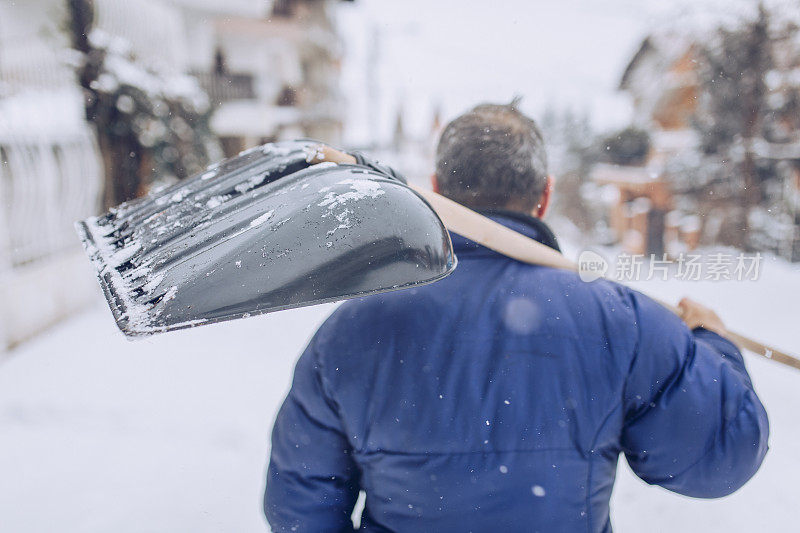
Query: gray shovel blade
x,y
262,232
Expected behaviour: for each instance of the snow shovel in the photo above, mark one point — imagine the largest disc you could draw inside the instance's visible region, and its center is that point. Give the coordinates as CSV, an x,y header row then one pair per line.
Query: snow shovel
x,y
262,232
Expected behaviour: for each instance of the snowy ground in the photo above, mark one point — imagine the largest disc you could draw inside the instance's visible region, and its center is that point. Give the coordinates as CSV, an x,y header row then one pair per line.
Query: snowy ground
x,y
171,433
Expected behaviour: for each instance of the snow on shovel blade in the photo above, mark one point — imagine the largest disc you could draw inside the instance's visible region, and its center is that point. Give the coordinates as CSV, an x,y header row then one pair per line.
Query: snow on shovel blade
x,y
262,232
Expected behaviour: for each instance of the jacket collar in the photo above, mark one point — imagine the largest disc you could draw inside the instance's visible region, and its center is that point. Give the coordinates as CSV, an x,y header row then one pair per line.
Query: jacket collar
x,y
527,225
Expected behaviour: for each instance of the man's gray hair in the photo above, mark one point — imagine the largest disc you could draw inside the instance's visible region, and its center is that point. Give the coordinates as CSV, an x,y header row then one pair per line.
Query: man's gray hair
x,y
493,156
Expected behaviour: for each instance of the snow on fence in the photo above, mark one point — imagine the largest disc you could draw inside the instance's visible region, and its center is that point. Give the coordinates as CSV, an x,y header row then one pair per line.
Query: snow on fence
x,y
48,180
45,186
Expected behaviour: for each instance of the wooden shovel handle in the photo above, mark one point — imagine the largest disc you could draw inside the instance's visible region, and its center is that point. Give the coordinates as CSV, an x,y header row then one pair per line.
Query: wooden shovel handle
x,y
747,343
510,243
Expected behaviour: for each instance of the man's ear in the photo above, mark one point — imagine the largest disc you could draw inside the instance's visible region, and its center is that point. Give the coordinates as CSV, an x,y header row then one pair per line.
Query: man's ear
x,y
434,183
544,200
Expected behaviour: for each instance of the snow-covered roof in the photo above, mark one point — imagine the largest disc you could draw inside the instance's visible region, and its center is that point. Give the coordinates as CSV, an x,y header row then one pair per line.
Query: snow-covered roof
x,y
777,151
605,173
674,140
247,118
245,8
663,48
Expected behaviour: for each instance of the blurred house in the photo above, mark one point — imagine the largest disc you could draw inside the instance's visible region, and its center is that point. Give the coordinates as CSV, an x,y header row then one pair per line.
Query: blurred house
x,y
638,207
50,174
271,69
658,200
662,82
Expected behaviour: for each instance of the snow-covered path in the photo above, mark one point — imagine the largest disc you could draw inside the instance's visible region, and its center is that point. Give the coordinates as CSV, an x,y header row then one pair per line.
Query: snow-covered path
x,y
166,434
171,433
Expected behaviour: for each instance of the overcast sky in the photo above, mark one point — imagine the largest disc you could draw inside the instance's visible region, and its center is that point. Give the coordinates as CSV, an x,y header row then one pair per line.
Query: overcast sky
x,y
455,53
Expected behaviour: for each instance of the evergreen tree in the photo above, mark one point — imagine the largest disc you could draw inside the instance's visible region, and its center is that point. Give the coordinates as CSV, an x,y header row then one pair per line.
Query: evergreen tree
x,y
749,104
149,124
629,146
732,114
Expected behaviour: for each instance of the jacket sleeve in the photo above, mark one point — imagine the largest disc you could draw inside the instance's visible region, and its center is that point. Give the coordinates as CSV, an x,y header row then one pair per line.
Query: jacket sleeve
x,y
312,481
693,423
377,166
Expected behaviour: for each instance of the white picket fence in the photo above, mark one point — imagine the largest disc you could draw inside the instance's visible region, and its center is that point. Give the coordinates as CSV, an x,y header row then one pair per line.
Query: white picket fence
x,y
45,186
22,67
47,182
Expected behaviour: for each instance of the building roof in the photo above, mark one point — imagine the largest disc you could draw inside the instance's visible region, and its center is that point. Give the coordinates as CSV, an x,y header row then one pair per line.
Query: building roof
x,y
246,118
244,8
666,48
776,151
605,173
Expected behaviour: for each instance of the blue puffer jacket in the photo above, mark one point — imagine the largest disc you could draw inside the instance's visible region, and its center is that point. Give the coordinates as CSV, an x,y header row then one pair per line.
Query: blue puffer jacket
x,y
499,399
